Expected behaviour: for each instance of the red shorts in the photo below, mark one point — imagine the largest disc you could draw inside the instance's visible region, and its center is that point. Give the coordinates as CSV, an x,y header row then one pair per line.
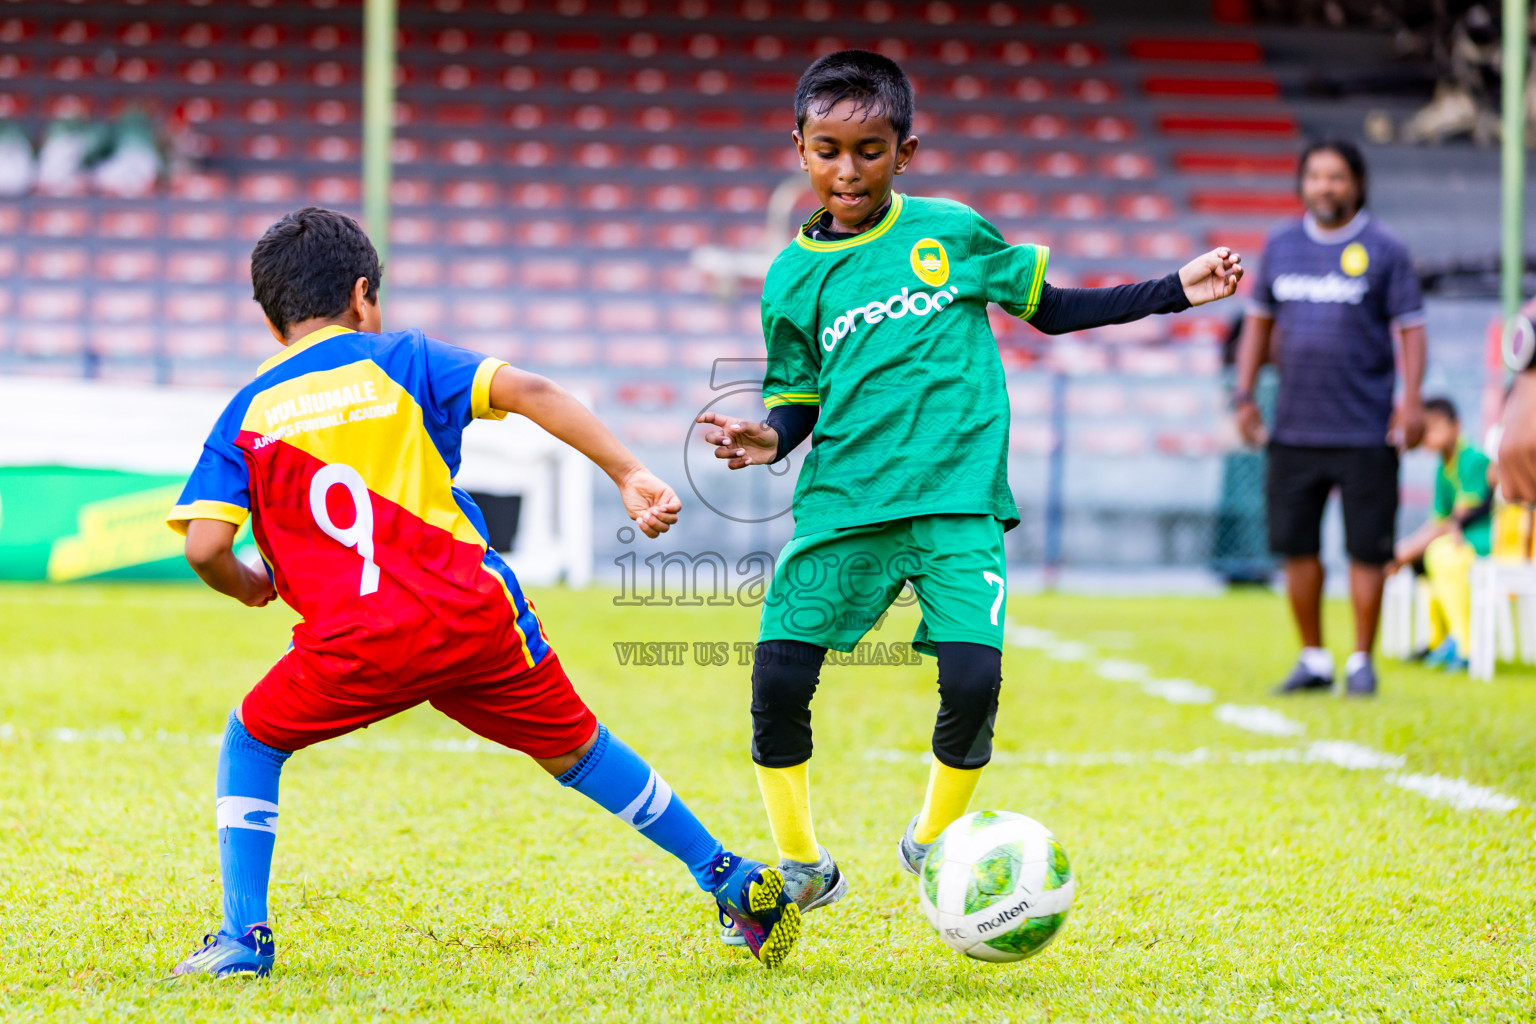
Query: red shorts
x,y
535,710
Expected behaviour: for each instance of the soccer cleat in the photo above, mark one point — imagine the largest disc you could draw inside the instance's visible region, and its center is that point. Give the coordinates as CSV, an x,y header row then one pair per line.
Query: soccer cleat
x,y
811,884
1303,680
910,852
751,895
1447,656
222,956
1361,682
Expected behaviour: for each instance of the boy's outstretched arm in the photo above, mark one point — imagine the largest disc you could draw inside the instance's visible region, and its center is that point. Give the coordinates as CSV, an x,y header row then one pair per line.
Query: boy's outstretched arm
x,y
210,551
650,502
1204,279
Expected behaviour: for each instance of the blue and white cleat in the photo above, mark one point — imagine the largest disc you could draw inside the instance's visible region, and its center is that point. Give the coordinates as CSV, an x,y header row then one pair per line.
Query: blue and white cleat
x,y
222,956
750,895
910,852
811,884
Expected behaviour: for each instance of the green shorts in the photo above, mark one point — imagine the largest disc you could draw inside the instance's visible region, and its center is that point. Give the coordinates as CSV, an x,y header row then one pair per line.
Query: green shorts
x,y
830,588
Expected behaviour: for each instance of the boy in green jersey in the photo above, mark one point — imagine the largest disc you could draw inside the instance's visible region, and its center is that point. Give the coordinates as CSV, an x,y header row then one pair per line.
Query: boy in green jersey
x,y
1459,531
875,319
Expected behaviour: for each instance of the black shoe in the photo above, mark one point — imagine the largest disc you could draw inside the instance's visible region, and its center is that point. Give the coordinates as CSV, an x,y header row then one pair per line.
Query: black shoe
x,y
1361,682
1303,680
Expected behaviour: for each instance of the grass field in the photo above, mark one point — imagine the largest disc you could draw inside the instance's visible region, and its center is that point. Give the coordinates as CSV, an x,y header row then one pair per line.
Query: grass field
x,y
1332,865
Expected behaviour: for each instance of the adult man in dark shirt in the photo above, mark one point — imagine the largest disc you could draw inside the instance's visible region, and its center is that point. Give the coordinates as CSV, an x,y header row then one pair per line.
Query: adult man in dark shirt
x,y
1334,289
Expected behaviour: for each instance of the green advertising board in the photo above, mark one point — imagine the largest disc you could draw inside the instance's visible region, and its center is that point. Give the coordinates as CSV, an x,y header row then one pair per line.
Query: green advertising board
x,y
60,523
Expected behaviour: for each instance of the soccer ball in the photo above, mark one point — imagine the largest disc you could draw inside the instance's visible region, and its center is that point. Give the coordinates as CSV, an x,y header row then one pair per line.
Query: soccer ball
x,y
996,886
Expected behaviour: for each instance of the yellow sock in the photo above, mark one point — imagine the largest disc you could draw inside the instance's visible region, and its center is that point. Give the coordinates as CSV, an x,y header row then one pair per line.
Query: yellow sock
x,y
949,793
787,796
1448,564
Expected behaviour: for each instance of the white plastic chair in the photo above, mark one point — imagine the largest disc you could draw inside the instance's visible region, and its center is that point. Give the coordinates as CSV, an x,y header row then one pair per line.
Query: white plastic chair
x,y
1404,614
1500,616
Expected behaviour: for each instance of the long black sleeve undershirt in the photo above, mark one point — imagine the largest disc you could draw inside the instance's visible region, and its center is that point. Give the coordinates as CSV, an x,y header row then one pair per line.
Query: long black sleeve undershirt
x,y
793,423
1063,310
1060,311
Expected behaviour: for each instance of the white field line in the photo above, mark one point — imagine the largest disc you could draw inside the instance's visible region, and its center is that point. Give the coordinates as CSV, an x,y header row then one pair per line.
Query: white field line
x,y
1459,793
1341,755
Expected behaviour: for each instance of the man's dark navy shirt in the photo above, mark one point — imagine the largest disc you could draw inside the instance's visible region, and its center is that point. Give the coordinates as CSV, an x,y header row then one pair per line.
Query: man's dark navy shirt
x,y
1335,297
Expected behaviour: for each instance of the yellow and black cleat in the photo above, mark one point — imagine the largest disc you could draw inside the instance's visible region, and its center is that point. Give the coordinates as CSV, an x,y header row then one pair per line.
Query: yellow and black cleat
x,y
752,895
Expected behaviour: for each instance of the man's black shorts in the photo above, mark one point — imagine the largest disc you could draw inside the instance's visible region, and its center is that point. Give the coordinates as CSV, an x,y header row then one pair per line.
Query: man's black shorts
x,y
1300,480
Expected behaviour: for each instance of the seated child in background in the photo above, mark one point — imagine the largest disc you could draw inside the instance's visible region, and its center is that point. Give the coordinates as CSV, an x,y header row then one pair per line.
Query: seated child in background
x,y
1457,532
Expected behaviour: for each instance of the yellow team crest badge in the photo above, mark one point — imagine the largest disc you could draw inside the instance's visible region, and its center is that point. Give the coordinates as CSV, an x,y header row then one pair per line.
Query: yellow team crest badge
x,y
930,262
1354,259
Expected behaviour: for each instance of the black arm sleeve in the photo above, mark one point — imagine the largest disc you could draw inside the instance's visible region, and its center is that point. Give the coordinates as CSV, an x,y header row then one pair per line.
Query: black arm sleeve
x,y
1062,310
793,424
1476,514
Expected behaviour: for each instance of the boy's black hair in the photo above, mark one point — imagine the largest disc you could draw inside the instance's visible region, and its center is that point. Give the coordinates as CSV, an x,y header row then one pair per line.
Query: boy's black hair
x,y
877,84
1346,151
306,265
1442,405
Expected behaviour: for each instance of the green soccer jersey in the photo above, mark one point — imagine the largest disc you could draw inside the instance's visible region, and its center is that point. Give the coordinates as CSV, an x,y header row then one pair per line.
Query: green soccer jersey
x,y
1461,484
887,331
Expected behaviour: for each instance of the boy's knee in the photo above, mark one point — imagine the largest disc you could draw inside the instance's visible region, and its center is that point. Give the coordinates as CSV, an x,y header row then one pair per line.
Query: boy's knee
x,y
784,677
970,679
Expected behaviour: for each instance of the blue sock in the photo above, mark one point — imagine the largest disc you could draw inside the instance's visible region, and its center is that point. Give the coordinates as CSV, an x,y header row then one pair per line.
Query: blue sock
x,y
246,815
619,779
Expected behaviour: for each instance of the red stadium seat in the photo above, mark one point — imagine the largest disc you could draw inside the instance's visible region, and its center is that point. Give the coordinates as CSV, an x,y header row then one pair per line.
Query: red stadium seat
x,y
544,234
628,315
698,318
1126,166
1009,204
1095,244
451,41
264,74
467,152
413,230
260,36
531,153
663,157
333,74
1213,51
335,190
480,272
939,12
1031,89
405,150
201,188
1165,245
768,48
204,306
119,341
1236,162
1094,90
123,305
1077,55
741,198
123,265
69,105
475,231
953,52
197,266
47,339
329,37
1264,126
56,264
605,196
19,30
410,191
453,77
538,195
1224,87
485,313
264,110
414,270
69,68
745,236
1108,440
1016,53
730,158
682,235
416,308
1144,206
76,31
516,43
267,146
519,78
1248,241
621,275
713,82
126,224
1079,206
1260,202
471,194
631,351
1061,163
335,113
14,66
1097,400
1061,15
552,314
598,155
268,188
58,222
1109,128
615,234
333,149
133,70
979,125
591,117
995,163
1044,127
552,273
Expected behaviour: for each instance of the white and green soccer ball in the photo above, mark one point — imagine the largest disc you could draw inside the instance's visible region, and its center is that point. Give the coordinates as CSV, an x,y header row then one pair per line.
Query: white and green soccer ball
x,y
996,886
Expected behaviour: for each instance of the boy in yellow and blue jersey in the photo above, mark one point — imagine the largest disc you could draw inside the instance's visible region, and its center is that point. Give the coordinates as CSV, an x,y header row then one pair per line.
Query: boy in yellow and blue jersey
x,y
342,454
879,348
